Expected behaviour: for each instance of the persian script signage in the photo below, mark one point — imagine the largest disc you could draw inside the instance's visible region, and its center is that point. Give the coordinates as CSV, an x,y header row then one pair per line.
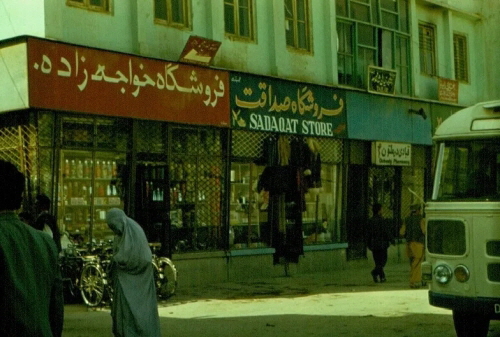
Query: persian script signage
x,y
394,154
199,50
381,80
447,90
74,78
273,105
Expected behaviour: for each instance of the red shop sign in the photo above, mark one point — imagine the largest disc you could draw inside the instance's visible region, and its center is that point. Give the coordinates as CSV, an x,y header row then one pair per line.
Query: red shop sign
x,y
80,79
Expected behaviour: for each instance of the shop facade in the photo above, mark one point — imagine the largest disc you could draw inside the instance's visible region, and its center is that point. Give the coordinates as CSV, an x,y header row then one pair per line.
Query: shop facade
x,y
389,162
184,150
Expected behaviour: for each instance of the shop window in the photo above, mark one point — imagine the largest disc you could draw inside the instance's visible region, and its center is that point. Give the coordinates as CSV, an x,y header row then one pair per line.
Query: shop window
x,y
238,19
77,132
427,45
90,185
297,24
95,5
196,189
460,56
248,218
255,212
173,13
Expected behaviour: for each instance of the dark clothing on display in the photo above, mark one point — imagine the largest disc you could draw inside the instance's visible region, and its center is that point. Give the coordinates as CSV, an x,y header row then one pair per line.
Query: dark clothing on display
x,y
31,300
47,219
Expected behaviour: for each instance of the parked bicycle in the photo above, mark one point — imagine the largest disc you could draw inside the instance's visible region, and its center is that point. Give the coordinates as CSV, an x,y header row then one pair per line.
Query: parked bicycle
x,y
165,274
95,282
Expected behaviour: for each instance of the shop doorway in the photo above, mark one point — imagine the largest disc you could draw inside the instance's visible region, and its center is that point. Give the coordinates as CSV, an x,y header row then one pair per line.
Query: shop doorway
x,y
368,185
152,204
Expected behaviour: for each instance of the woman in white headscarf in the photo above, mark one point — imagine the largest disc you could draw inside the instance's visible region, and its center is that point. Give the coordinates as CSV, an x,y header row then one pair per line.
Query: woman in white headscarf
x,y
134,309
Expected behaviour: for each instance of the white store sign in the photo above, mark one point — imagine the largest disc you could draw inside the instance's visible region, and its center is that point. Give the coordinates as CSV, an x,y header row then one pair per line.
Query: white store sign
x,y
392,154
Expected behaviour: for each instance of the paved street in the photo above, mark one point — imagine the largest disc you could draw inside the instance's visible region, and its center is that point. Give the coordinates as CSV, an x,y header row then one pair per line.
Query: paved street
x,y
345,303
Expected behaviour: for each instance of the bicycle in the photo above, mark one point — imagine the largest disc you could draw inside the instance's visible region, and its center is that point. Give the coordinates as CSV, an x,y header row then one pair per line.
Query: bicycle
x,y
165,276
95,281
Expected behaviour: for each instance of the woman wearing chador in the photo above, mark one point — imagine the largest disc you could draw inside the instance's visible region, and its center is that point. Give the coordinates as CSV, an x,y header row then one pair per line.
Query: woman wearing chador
x,y
134,309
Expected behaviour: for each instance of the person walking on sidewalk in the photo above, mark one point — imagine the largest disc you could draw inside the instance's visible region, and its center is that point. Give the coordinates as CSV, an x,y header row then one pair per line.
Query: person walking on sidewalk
x,y
413,230
379,240
134,309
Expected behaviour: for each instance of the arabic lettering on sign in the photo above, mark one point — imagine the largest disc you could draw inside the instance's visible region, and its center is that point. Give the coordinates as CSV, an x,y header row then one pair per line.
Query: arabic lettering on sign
x,y
381,80
132,80
448,90
396,154
303,102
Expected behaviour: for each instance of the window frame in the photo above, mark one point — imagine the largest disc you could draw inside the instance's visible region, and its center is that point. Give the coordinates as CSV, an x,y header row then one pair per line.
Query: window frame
x,y
381,48
168,21
237,22
427,52
294,21
85,4
461,59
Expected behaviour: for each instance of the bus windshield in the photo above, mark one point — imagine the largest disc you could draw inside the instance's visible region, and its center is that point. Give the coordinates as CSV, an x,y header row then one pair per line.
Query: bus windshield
x,y
468,170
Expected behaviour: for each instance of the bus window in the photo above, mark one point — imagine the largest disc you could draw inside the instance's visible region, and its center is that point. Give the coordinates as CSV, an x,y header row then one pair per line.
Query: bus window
x,y
446,237
469,170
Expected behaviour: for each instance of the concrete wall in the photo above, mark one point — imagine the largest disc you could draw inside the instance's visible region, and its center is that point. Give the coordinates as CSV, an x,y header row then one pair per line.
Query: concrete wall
x,y
447,20
21,17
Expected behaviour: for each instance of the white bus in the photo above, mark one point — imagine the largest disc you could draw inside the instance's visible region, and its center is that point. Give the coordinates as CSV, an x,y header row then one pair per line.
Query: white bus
x,y
463,219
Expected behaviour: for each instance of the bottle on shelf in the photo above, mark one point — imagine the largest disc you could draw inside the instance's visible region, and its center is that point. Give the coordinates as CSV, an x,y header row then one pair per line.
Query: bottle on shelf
x,y
79,169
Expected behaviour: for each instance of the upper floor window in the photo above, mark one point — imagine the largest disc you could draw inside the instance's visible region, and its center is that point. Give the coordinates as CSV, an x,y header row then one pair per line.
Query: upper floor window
x,y
427,45
238,18
373,33
460,55
96,5
173,12
297,24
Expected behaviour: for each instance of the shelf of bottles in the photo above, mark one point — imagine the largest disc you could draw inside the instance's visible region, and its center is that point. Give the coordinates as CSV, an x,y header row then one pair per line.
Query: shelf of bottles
x,y
248,207
89,187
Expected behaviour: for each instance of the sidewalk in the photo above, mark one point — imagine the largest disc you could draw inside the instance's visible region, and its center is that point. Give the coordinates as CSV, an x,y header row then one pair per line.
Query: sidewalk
x,y
353,279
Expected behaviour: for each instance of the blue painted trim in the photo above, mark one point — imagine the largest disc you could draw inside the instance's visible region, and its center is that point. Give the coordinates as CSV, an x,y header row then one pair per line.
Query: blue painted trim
x,y
254,251
328,246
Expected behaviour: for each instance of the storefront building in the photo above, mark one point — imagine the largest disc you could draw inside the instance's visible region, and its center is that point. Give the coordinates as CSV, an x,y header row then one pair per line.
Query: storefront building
x,y
169,144
389,162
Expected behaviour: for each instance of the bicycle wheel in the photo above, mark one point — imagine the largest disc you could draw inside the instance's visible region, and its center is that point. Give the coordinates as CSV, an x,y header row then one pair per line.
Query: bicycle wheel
x,y
92,284
166,280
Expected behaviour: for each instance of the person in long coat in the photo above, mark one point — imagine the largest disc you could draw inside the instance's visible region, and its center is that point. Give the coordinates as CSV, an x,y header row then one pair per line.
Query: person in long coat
x,y
134,309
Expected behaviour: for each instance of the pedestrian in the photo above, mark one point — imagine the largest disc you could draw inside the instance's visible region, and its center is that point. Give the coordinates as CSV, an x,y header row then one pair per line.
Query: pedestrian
x,y
134,309
31,300
413,230
45,221
27,218
379,240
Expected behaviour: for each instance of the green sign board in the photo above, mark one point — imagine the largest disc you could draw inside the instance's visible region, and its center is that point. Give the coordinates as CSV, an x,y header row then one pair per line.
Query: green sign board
x,y
267,104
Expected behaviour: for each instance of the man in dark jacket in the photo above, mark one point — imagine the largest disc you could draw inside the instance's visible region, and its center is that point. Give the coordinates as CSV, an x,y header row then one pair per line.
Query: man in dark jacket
x,y
45,221
31,302
379,239
413,231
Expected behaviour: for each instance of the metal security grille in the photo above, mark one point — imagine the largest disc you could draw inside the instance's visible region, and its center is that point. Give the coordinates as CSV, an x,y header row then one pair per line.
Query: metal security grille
x,y
381,189
18,145
197,171
246,144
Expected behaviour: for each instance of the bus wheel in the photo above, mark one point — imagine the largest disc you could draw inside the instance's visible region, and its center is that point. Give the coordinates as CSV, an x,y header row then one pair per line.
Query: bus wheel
x,y
468,324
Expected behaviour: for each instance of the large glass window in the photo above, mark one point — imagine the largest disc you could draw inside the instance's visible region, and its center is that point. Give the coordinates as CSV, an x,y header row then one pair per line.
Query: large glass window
x,y
238,18
173,12
297,21
460,55
468,170
427,45
373,33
